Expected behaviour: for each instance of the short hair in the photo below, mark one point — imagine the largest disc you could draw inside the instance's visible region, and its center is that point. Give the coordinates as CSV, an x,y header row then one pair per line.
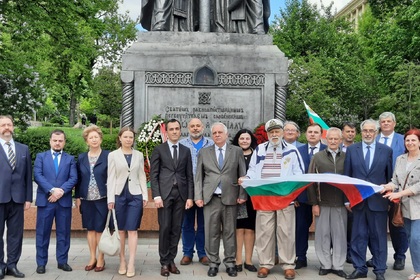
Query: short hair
x,y
235,140
172,121
413,131
334,129
92,128
315,124
349,124
219,123
122,130
58,132
386,115
292,123
6,117
372,121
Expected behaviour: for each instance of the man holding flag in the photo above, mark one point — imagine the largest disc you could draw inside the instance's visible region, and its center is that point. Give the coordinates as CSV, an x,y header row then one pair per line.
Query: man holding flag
x,y
275,158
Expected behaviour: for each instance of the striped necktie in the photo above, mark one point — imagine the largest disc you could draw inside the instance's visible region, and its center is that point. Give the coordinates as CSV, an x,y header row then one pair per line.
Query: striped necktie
x,y
11,155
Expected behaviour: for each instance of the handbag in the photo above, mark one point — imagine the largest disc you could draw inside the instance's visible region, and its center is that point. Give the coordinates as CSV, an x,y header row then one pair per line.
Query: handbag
x,y
397,216
109,243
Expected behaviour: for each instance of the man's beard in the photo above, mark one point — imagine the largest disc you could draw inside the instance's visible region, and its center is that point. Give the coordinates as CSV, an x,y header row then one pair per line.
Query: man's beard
x,y
197,135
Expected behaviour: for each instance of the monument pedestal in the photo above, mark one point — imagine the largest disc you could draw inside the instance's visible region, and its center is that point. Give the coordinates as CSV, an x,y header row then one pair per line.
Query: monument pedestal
x,y
237,79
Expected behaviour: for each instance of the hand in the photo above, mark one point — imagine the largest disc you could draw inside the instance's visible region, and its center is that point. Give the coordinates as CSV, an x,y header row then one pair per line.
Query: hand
x,y
111,205
144,203
199,203
158,202
241,179
315,210
348,207
27,205
188,204
387,188
240,201
393,196
78,203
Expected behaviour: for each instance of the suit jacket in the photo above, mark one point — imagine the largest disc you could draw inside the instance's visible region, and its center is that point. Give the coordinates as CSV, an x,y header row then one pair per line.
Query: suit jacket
x,y
397,146
100,170
163,172
380,171
45,177
16,184
209,175
119,173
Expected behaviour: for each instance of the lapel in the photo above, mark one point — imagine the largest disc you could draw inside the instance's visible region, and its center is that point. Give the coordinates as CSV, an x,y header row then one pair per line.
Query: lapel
x,y
361,157
6,158
121,158
167,151
61,162
228,154
213,155
413,166
376,155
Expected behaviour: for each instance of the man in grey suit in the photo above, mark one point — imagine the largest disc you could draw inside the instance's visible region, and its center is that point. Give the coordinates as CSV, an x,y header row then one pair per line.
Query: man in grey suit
x,y
15,195
171,177
218,169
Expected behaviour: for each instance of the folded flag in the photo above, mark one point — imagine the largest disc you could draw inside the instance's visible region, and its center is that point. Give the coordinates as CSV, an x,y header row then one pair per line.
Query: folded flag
x,y
314,118
277,193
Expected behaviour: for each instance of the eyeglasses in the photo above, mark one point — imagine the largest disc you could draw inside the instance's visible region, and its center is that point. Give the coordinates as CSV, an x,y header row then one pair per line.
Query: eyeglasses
x,y
370,131
290,130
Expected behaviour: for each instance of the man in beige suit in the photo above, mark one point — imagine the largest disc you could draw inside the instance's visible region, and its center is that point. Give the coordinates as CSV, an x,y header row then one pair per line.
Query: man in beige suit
x,y
218,169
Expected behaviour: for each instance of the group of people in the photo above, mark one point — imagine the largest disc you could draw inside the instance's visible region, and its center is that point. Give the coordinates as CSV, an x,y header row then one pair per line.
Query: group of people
x,y
196,187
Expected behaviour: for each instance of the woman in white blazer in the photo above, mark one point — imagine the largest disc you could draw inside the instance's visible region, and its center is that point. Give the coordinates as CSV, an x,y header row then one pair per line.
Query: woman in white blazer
x,y
405,185
127,193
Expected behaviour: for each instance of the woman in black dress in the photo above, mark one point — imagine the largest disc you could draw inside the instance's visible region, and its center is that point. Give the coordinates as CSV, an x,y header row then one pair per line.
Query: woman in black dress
x,y
245,225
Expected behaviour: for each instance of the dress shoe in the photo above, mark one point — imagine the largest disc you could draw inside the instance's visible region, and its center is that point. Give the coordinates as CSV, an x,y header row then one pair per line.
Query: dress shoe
x,y
185,260
173,269
356,274
130,273
250,267
369,263
380,276
90,267
100,268
301,263
323,271
64,267
231,271
339,273
204,260
263,272
15,272
212,271
238,267
349,260
40,269
289,274
164,271
399,264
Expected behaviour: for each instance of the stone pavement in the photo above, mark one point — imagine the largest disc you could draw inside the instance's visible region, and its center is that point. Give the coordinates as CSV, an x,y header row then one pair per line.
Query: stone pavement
x,y
148,267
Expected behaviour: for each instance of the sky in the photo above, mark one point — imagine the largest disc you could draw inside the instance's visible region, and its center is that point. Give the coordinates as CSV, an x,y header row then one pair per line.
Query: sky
x,y
133,6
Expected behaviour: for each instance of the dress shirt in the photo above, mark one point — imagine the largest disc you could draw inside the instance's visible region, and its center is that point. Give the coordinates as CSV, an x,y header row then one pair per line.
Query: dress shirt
x,y
316,150
372,151
390,137
170,144
216,149
6,147
59,155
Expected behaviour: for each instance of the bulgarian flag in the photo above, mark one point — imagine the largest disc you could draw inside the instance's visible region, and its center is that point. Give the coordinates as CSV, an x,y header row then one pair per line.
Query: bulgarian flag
x,y
277,193
314,118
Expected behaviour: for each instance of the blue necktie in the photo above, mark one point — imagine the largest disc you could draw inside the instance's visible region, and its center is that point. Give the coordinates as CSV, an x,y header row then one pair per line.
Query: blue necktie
x,y
311,153
367,158
220,159
386,140
56,154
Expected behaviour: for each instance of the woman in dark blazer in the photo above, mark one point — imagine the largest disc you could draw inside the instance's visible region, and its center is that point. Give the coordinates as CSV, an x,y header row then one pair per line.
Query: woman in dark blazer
x,y
91,192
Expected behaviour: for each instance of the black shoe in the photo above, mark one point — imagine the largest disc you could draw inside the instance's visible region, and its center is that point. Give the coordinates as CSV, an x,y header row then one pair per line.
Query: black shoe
x,y
231,271
15,272
212,271
238,267
399,264
356,274
339,273
250,267
40,269
64,267
369,263
301,263
2,273
349,260
380,276
323,271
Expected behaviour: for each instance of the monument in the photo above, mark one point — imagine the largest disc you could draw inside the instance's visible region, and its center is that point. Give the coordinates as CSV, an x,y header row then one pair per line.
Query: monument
x,y
228,71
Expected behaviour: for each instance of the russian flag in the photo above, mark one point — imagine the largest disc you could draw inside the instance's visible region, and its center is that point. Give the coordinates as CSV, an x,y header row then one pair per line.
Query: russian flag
x,y
314,118
277,193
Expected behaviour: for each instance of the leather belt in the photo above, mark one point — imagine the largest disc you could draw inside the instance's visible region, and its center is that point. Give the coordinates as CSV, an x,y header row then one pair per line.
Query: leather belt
x,y
219,195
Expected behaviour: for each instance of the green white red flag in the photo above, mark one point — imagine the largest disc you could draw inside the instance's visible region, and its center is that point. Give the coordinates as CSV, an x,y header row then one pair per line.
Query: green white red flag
x,y
314,118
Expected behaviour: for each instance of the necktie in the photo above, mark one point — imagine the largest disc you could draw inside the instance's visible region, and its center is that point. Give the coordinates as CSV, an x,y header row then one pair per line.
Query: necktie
x,y
11,155
175,153
220,159
386,140
311,153
56,154
367,158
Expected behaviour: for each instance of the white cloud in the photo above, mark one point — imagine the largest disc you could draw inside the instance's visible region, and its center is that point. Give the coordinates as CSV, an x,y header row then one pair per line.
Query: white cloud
x,y
132,6
337,6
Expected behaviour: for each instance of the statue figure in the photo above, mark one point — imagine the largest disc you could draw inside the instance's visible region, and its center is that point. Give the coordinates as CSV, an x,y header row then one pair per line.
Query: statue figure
x,y
169,15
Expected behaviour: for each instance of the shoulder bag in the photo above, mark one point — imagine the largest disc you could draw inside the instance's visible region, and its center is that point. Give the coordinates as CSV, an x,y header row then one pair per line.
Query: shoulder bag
x,y
109,243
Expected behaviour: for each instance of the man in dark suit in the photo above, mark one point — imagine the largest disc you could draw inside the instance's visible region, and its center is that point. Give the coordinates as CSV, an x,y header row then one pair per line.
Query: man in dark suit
x,y
370,161
15,195
303,209
395,141
55,173
171,177
218,169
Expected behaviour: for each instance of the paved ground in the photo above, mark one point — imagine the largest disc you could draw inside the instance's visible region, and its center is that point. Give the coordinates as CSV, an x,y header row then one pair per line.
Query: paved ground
x,y
147,265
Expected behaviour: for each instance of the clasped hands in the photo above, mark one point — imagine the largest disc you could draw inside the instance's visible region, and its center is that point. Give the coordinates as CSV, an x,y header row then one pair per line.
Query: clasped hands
x,y
56,195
